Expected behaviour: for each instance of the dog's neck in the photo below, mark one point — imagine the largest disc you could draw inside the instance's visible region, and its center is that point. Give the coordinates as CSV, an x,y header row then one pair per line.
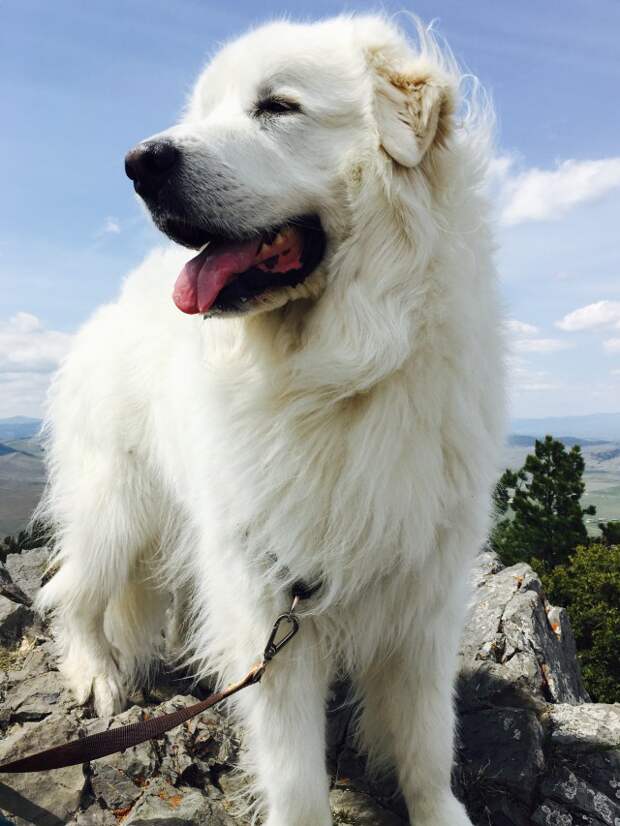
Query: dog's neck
x,y
379,310
277,335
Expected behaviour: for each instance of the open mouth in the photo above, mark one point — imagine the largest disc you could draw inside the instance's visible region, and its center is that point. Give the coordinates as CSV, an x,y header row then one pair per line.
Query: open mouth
x,y
230,275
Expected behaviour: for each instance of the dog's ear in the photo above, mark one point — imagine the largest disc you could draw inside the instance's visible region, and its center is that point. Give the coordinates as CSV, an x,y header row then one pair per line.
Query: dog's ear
x,y
412,107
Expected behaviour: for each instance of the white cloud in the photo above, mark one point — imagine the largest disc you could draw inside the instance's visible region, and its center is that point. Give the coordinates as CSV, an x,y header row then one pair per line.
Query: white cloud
x,y
599,314
29,353
524,339
521,378
23,394
500,166
540,345
23,323
498,173
543,195
526,380
111,226
612,345
26,347
520,328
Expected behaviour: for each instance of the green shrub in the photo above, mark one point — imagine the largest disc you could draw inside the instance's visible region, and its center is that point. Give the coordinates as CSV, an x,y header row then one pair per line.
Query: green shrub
x,y
588,585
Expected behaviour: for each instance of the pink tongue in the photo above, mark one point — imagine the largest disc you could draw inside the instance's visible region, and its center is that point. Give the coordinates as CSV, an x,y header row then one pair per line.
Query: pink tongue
x,y
203,277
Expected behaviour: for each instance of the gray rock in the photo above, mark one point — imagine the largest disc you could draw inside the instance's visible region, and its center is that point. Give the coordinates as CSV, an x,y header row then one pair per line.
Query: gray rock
x,y
567,790
113,787
138,763
531,749
28,568
596,726
34,698
9,589
167,805
559,662
487,562
14,618
516,649
215,741
47,798
584,780
95,816
502,747
526,727
550,814
178,751
37,658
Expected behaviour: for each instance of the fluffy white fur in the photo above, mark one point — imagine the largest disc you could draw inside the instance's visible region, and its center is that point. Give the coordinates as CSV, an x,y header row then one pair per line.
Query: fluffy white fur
x,y
348,432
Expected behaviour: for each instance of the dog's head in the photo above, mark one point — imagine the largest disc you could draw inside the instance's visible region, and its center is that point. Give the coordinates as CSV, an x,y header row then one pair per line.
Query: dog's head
x,y
257,175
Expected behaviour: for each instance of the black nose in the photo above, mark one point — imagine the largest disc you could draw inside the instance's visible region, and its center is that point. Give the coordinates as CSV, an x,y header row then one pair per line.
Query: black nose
x,y
150,164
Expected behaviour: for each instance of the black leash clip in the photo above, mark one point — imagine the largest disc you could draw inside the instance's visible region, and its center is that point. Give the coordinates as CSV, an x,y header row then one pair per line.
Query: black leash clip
x,y
275,645
287,623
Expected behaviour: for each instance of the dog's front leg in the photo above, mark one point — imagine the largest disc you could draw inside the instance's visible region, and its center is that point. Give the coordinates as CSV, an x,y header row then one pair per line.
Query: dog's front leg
x,y
408,716
285,731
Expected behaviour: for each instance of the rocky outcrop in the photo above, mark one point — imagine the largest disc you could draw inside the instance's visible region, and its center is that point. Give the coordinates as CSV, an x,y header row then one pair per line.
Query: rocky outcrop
x,y
532,749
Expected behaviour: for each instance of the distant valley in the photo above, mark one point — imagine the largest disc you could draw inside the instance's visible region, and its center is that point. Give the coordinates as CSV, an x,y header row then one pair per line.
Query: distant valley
x,y
602,474
599,437
22,474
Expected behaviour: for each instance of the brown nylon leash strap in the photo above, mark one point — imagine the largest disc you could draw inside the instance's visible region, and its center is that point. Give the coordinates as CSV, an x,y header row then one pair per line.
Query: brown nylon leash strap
x,y
122,737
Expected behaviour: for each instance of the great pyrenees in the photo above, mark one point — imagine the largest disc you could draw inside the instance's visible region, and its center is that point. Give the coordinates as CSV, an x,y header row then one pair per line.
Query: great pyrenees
x,y
316,395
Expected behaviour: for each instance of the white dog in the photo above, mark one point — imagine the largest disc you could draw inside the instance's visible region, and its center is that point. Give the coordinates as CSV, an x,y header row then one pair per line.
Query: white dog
x,y
317,395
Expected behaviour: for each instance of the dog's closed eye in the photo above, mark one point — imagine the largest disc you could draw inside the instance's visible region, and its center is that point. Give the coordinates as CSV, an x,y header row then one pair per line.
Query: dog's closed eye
x,y
272,105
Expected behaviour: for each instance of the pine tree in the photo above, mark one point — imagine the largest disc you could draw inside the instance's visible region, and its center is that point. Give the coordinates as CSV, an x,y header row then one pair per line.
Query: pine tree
x,y
547,517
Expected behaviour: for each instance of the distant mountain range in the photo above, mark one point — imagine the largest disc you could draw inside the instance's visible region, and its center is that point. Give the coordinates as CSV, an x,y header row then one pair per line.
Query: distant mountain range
x,y
18,427
602,427
22,473
596,427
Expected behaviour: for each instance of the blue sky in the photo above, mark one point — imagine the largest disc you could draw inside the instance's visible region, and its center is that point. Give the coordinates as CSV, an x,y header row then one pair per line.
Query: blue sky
x,y
84,81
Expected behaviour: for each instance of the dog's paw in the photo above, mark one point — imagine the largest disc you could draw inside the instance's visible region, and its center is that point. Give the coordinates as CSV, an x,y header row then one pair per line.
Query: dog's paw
x,y
103,685
108,695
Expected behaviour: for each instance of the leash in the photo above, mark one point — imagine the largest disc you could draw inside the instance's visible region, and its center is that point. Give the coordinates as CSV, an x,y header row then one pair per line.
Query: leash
x,y
120,738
